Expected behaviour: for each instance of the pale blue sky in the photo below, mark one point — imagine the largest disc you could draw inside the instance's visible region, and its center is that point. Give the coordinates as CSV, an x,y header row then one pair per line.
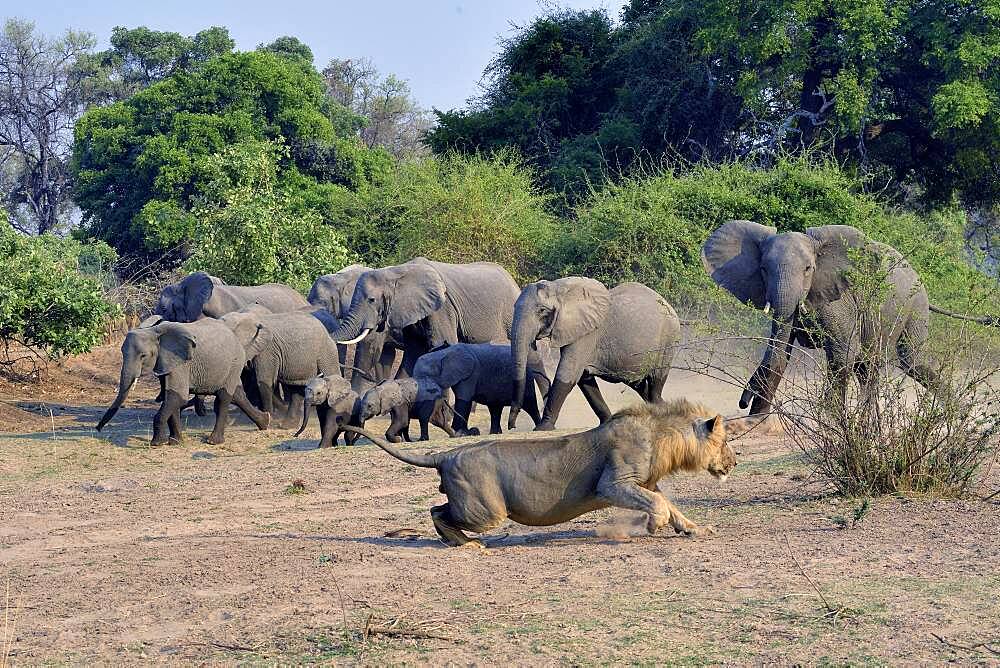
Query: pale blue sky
x,y
439,46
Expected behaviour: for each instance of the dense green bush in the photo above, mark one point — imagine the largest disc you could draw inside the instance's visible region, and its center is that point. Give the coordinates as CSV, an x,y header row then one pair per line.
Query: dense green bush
x,y
650,228
250,230
453,209
469,208
52,292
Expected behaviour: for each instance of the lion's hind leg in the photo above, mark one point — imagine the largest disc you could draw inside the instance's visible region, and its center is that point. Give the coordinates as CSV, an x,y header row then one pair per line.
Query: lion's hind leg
x,y
450,529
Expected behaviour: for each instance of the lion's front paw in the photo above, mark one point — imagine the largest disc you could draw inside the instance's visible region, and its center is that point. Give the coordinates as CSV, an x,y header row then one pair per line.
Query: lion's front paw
x,y
695,531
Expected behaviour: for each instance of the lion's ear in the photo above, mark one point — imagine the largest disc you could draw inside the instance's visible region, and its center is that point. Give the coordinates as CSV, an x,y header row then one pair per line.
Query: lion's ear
x,y
716,426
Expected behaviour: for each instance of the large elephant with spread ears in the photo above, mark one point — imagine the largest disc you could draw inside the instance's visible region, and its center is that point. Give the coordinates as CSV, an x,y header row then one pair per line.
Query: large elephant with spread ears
x,y
199,295
423,304
804,279
625,335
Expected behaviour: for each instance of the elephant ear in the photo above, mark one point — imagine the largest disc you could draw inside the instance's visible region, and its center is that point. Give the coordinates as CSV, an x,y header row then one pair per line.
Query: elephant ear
x,y
581,307
456,366
731,256
833,260
196,291
177,346
419,291
340,395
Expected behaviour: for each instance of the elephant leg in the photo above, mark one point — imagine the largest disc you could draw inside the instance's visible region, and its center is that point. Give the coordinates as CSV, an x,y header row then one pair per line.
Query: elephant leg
x,y
460,423
496,411
342,358
592,393
399,424
266,393
327,426
200,406
909,348
530,403
222,401
174,424
172,401
654,386
385,362
553,404
440,420
259,418
295,394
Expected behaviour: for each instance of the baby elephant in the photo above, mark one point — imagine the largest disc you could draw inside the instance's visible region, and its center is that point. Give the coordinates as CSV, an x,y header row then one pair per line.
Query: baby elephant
x,y
476,372
545,481
405,392
335,404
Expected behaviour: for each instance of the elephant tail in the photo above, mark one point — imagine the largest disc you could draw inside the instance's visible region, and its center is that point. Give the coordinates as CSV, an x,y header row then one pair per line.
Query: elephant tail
x,y
431,461
982,320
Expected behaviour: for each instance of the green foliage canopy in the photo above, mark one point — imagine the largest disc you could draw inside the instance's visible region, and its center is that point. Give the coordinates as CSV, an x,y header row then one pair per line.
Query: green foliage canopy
x,y
910,88
141,164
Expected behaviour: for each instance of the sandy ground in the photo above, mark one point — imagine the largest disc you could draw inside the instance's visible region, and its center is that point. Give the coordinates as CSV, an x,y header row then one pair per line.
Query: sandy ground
x,y
112,553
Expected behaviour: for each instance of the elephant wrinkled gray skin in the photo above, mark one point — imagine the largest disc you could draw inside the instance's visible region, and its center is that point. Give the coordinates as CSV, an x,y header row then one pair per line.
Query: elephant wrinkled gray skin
x,y
200,358
423,304
199,295
625,335
335,403
476,372
332,293
803,280
389,395
286,348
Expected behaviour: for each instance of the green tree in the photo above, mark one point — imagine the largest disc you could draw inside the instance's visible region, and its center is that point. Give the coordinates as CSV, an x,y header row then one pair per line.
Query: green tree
x,y
44,87
141,164
140,57
908,88
249,229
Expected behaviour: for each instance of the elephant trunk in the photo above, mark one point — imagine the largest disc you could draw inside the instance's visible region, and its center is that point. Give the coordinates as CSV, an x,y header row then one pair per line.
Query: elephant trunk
x,y
129,376
522,336
352,329
307,403
784,300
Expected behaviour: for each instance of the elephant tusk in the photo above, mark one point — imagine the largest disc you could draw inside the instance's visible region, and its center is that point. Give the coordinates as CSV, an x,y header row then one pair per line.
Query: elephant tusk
x,y
355,339
803,307
767,307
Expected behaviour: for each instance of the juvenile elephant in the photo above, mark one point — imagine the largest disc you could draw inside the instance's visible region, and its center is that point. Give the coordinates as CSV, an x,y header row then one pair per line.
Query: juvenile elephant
x,y
286,348
200,358
625,335
804,280
422,304
476,372
199,295
335,403
388,395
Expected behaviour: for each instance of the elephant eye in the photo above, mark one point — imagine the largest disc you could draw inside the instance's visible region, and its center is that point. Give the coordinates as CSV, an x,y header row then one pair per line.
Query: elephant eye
x,y
371,300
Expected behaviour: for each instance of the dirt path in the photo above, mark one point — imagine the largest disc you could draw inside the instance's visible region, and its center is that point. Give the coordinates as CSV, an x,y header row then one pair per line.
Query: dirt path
x,y
116,553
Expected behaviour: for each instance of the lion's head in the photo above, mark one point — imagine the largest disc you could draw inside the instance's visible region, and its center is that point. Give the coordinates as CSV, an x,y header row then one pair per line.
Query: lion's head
x,y
718,457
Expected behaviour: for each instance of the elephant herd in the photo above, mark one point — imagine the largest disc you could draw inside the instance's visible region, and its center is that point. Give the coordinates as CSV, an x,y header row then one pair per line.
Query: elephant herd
x,y
470,330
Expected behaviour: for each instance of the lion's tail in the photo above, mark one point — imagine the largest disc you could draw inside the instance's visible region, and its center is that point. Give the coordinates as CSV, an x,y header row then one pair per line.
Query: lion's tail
x,y
426,461
982,320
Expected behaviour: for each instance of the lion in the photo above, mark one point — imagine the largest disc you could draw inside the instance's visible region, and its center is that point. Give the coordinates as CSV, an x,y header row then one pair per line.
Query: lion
x,y
545,481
